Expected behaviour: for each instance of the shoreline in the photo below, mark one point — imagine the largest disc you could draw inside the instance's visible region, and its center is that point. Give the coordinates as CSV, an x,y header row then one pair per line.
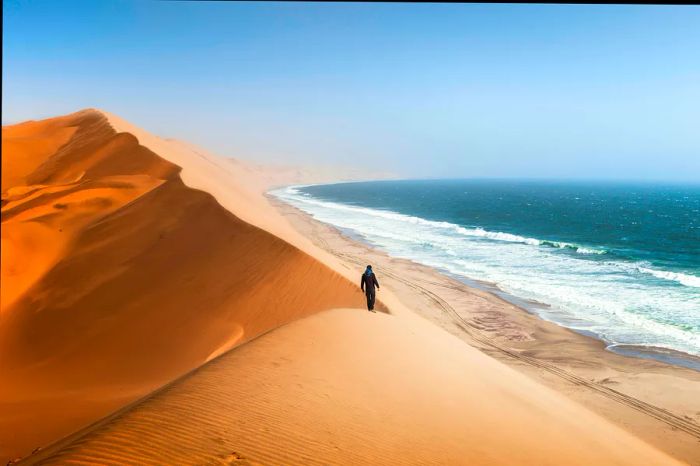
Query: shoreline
x,y
653,399
660,354
664,355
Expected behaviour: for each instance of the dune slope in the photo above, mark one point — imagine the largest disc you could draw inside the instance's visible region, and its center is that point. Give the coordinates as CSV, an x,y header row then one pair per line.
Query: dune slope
x,y
350,387
117,277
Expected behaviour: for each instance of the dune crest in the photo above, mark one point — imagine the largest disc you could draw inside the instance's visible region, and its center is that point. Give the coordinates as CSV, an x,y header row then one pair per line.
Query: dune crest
x,y
117,277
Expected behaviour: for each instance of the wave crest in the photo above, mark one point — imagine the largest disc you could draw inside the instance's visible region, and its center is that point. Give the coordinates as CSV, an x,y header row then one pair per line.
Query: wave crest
x,y
682,278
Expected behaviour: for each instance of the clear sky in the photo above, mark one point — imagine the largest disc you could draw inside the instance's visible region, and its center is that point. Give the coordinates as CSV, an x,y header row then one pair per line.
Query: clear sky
x,y
421,89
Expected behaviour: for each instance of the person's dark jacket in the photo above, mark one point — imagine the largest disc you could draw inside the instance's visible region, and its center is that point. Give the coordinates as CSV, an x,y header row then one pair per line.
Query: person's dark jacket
x,y
368,282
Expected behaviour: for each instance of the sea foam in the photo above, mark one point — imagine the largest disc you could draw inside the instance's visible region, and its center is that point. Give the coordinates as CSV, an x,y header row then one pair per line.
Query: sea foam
x,y
290,193
623,302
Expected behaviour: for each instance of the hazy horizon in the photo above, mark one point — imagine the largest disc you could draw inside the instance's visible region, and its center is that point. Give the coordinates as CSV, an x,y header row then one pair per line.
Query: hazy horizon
x,y
422,90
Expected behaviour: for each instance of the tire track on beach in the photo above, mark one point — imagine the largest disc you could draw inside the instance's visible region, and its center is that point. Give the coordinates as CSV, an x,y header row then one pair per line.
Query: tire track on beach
x,y
478,335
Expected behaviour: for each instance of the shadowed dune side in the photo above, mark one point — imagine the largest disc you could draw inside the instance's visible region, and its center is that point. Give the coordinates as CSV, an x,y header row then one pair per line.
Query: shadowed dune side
x,y
117,278
346,387
240,187
35,141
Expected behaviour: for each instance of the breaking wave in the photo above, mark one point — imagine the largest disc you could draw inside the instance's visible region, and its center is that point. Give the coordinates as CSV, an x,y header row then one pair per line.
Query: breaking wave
x,y
682,278
477,232
591,289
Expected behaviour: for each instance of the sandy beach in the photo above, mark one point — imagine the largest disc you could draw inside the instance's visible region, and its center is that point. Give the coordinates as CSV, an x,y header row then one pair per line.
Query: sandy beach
x,y
162,309
657,402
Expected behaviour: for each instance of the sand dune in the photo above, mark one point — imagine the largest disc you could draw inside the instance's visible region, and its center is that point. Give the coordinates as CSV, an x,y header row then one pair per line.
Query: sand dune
x,y
350,387
240,188
28,145
117,277
129,260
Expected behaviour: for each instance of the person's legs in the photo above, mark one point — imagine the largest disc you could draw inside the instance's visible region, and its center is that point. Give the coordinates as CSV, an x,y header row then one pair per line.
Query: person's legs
x,y
370,300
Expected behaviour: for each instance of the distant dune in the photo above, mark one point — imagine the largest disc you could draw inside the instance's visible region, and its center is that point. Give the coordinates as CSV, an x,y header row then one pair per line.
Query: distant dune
x,y
131,262
117,277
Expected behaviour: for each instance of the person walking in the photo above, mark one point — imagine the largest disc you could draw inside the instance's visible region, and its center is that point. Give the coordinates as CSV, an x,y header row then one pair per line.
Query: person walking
x,y
367,284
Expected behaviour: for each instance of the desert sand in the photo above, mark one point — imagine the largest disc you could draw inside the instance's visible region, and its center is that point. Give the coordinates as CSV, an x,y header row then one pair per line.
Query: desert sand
x,y
132,262
351,387
117,277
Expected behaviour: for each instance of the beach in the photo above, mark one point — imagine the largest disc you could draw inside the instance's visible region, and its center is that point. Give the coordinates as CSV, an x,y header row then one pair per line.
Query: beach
x,y
656,401
613,260
183,316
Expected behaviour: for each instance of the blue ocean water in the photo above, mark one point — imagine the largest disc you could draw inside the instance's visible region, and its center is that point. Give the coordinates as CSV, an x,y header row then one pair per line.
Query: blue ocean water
x,y
621,261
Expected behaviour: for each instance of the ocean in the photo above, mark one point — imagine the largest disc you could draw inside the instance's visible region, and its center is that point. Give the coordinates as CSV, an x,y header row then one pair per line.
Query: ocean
x,y
620,261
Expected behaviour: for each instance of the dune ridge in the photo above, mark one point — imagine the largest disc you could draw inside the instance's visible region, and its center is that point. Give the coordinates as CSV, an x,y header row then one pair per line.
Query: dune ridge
x,y
241,188
117,277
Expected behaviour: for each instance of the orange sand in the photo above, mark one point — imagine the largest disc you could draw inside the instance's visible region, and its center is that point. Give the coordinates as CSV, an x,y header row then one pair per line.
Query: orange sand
x,y
117,278
350,387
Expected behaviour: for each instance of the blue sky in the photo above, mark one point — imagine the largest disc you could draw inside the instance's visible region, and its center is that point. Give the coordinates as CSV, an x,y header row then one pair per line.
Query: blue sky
x,y
562,91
